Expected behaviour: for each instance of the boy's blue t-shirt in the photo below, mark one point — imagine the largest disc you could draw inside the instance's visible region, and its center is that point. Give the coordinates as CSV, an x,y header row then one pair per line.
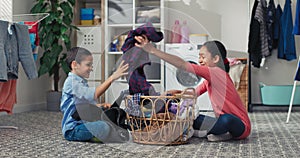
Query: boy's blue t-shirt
x,y
75,91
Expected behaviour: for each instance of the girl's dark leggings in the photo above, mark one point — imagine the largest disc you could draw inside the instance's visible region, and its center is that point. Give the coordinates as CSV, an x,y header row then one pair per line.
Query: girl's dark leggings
x,y
225,123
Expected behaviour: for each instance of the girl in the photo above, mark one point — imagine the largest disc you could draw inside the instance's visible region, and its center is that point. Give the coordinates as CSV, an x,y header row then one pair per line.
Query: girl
x,y
231,119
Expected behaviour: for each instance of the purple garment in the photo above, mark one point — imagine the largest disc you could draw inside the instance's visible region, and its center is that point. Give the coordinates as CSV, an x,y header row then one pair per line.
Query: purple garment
x,y
146,29
137,58
186,103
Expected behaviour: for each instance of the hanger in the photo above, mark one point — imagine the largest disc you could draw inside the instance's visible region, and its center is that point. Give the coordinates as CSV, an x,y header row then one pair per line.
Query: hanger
x,y
37,17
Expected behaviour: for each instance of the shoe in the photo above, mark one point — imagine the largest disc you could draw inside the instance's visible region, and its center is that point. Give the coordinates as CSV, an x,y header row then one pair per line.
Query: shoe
x,y
95,140
130,139
189,135
200,133
221,137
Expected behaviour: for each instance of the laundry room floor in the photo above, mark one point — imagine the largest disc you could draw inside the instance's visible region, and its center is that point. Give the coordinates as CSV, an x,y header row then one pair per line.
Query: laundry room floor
x,y
39,135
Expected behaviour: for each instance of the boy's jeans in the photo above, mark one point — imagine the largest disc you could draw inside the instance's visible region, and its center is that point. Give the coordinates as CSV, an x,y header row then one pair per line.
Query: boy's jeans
x,y
86,131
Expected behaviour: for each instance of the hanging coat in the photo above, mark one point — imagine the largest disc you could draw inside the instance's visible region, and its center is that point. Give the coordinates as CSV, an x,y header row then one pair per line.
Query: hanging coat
x,y
287,39
254,48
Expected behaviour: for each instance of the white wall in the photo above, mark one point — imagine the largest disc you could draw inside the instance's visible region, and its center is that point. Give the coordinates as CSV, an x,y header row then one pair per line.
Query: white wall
x,y
199,21
234,21
224,20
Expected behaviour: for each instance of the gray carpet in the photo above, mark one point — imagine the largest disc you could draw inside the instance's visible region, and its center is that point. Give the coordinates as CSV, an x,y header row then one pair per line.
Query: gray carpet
x,y
39,135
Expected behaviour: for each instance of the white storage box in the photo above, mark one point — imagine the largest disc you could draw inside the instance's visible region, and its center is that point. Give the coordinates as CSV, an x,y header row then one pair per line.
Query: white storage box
x,y
89,38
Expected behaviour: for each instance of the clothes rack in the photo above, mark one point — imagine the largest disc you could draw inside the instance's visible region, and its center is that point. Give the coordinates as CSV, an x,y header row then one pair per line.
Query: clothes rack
x,y
249,84
38,17
296,79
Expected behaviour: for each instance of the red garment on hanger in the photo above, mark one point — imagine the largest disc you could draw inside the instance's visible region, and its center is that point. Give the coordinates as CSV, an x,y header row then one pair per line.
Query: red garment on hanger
x,y
34,29
8,95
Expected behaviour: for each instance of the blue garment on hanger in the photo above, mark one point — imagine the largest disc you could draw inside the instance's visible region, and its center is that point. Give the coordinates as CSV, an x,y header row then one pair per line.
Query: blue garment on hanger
x,y
287,40
296,30
278,13
32,40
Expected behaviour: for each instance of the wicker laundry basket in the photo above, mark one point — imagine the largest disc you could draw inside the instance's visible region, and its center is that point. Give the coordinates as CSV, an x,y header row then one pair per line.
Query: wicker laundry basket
x,y
243,87
162,120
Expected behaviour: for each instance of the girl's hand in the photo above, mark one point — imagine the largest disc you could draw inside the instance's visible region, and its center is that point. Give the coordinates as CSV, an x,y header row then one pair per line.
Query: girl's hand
x,y
121,71
172,92
143,42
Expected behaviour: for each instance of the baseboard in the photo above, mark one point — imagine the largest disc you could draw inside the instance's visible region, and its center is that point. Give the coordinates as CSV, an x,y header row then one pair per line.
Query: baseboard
x,y
263,107
26,108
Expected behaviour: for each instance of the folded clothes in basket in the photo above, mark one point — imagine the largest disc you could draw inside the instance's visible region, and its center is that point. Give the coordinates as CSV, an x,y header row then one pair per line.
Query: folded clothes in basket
x,y
182,108
133,107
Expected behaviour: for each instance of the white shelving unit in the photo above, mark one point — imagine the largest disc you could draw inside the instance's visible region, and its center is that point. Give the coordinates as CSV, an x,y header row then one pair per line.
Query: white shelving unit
x,y
117,24
91,37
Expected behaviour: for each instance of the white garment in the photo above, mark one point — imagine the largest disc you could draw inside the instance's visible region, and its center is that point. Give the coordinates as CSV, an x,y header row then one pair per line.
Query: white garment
x,y
235,73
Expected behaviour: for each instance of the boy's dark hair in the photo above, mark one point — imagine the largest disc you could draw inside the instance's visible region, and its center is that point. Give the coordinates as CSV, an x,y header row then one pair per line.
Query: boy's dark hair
x,y
217,48
76,54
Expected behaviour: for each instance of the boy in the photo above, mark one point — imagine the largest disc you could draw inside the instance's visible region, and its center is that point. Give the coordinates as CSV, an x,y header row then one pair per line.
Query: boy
x,y
77,92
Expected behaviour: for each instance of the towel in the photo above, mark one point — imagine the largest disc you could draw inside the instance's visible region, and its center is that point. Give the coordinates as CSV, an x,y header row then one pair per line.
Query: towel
x,y
235,73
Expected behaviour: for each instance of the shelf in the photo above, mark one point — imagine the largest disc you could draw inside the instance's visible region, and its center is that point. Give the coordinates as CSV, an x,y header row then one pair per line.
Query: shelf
x,y
120,25
115,53
90,1
88,25
131,25
117,25
91,80
150,81
154,24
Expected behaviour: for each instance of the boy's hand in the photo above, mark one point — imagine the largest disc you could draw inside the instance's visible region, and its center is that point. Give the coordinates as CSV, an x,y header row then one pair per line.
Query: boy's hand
x,y
121,71
105,105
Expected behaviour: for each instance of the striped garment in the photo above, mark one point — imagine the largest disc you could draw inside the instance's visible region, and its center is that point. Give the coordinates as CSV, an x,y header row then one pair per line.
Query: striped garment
x,y
260,15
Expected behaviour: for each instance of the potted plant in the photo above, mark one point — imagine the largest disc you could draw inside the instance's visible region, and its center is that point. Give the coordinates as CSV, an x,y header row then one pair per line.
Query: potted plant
x,y
54,33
